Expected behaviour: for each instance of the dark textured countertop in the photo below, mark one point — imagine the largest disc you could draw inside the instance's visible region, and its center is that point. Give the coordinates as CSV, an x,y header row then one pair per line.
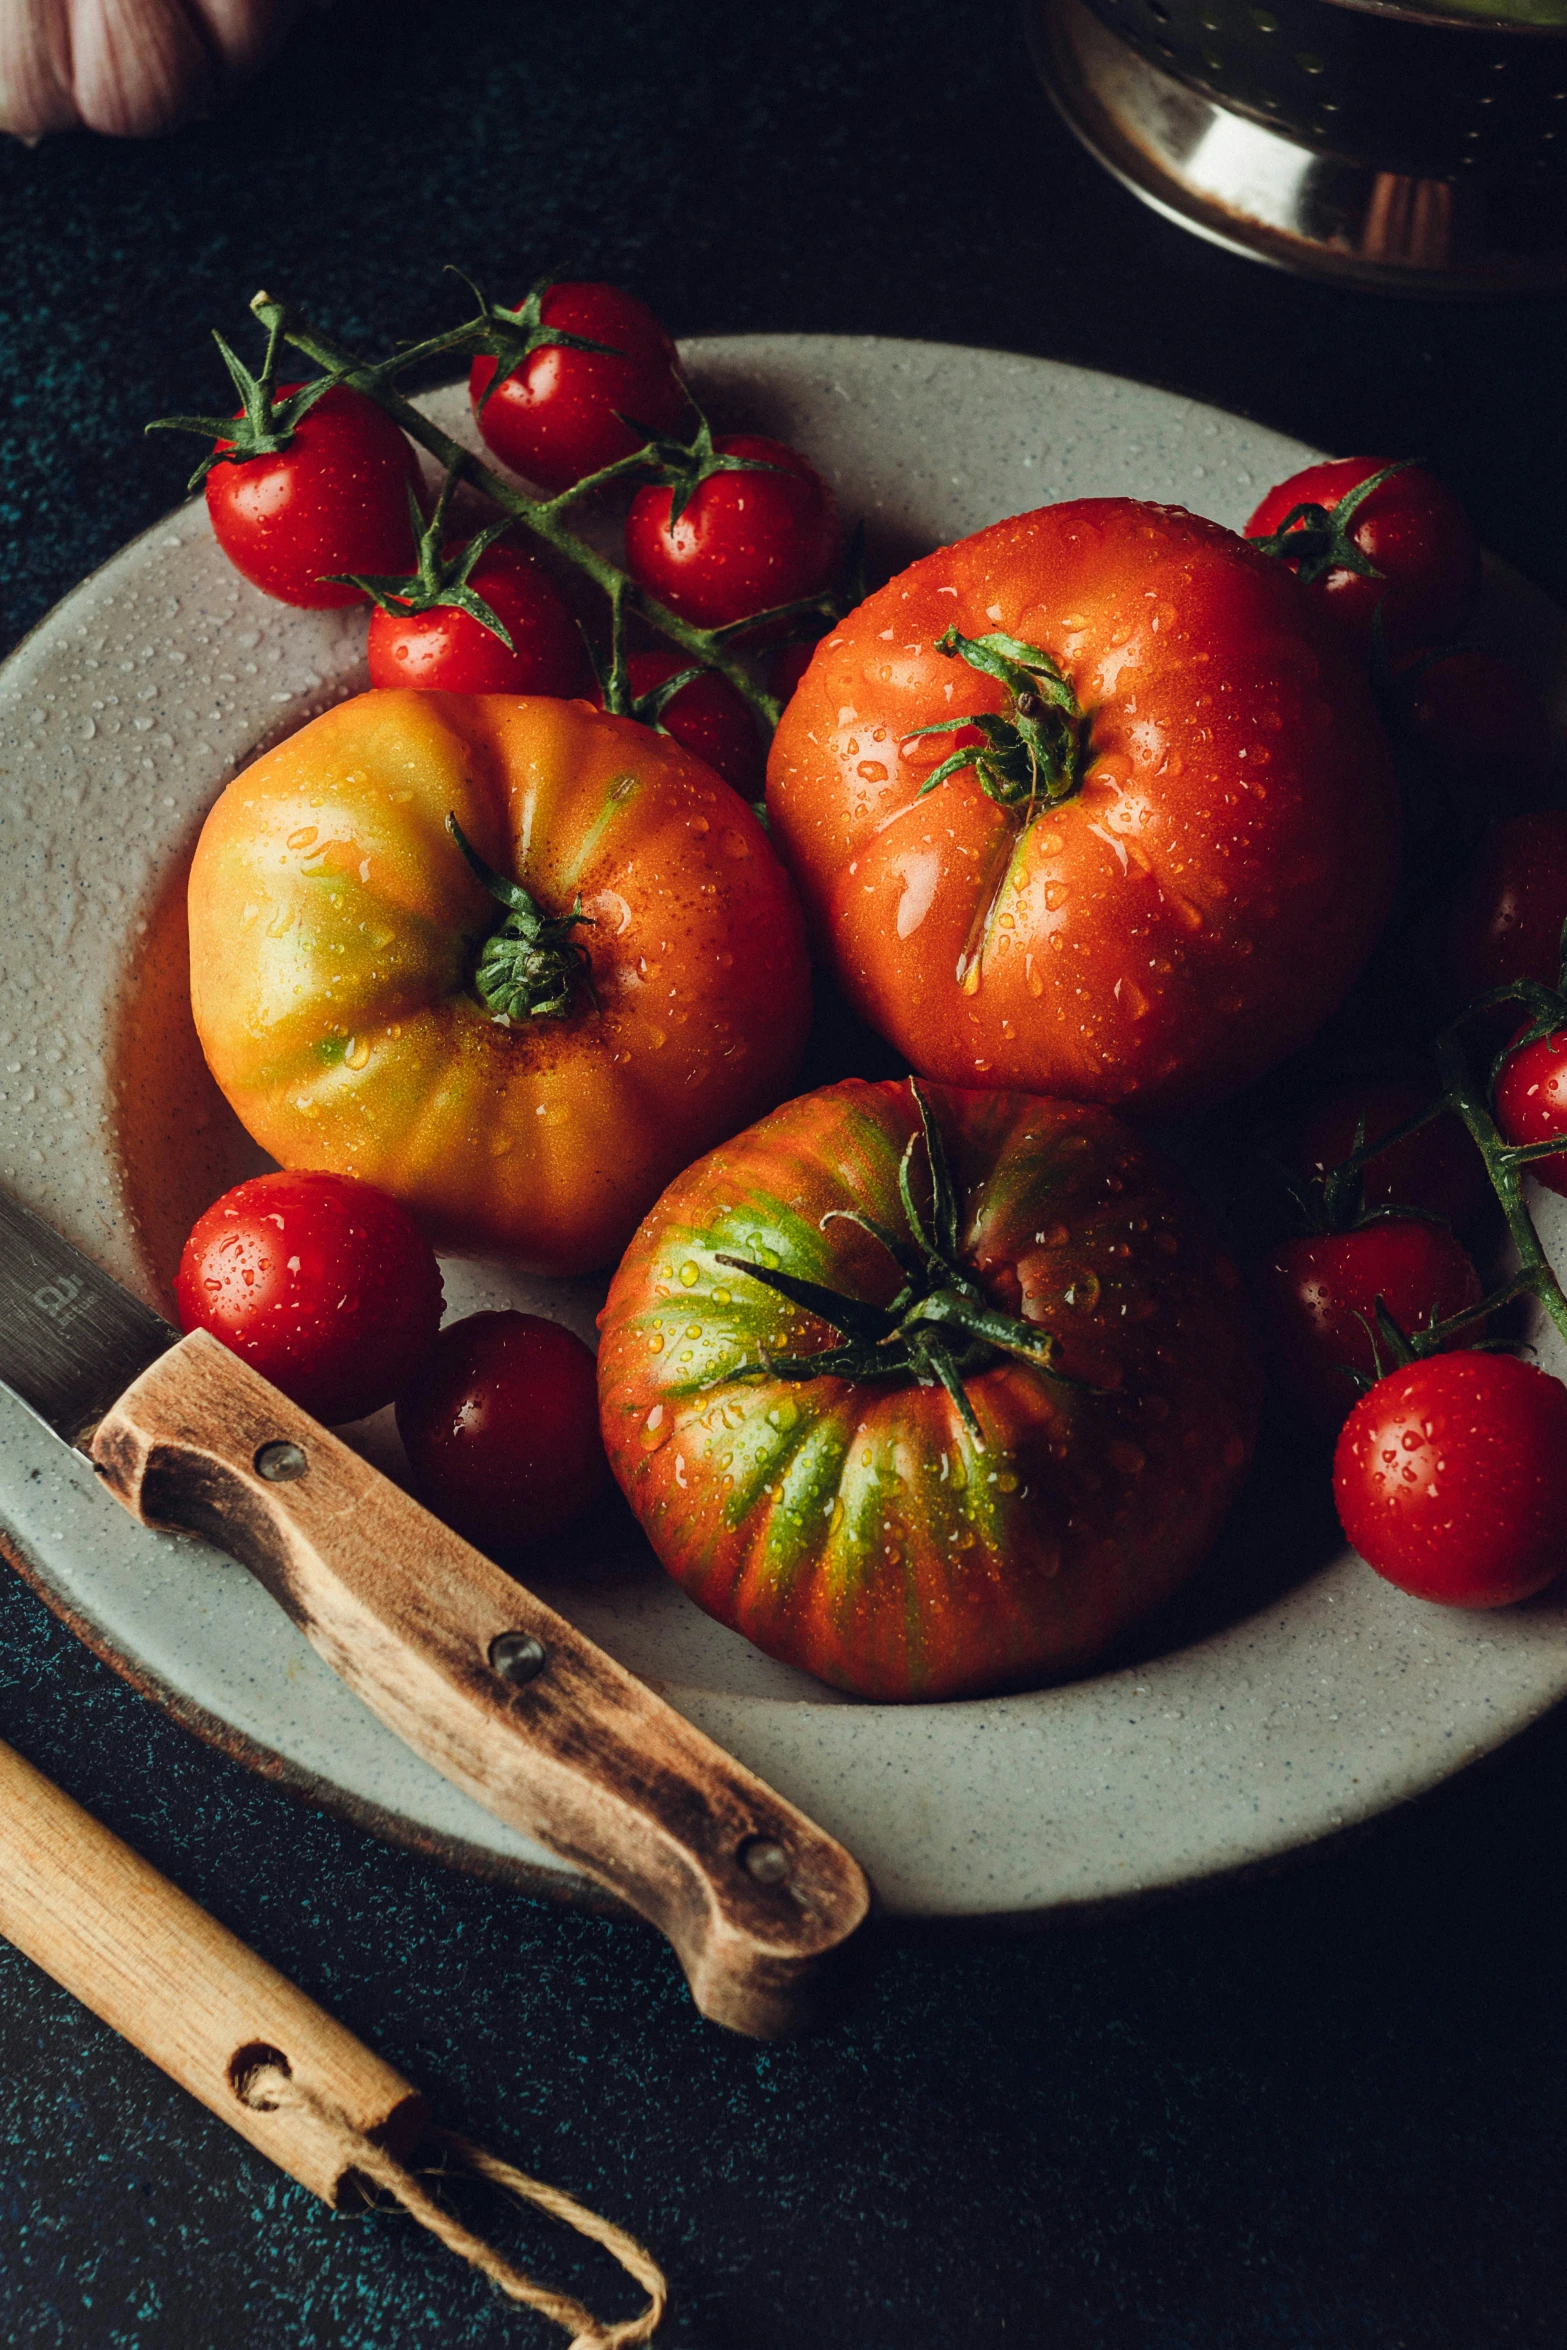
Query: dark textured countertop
x,y
1321,2110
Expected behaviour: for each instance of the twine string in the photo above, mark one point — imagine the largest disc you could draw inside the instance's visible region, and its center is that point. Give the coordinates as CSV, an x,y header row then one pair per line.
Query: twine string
x,y
269,2087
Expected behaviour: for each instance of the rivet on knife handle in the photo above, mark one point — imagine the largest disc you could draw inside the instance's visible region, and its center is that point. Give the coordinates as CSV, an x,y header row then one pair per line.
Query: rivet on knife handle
x,y
502,1695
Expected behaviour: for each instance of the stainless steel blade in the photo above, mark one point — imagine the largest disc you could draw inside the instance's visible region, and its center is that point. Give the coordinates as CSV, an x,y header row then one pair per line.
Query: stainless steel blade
x,y
71,1339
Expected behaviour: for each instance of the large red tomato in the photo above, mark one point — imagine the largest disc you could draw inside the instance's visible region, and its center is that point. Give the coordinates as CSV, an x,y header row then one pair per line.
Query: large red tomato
x,y
1179,846
928,1409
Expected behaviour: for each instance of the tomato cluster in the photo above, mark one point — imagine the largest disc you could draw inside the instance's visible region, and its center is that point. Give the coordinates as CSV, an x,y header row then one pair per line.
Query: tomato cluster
x,y
1449,1468
929,1387
318,499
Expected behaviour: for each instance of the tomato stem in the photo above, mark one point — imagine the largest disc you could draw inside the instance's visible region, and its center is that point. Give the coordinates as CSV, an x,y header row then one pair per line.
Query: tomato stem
x,y
529,965
542,516
1502,1163
438,579
939,1328
1318,539
1031,752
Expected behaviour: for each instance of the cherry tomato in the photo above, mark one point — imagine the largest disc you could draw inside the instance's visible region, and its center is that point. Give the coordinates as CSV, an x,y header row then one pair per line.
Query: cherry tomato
x,y
1531,1102
1412,529
1438,1169
336,499
787,671
1316,1294
322,1284
501,1429
1451,1479
1485,730
1507,922
743,543
708,717
562,414
446,649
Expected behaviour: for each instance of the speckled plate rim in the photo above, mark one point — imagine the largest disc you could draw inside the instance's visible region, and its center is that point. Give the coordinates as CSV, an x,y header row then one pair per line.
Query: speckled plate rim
x,y
1307,1718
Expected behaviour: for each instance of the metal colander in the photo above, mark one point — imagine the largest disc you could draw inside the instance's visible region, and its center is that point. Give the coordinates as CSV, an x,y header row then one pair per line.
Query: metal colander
x,y
1438,95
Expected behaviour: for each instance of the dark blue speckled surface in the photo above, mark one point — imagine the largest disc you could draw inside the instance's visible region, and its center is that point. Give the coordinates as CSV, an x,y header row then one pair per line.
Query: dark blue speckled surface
x,y
1321,2112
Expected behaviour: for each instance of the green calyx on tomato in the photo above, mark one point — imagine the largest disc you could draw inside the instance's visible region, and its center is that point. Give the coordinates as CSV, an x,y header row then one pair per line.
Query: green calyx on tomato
x,y
510,337
683,466
938,1329
440,578
529,965
1032,751
1317,539
265,425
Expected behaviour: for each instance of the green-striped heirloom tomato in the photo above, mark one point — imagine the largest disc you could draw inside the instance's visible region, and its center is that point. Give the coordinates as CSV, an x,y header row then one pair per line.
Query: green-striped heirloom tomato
x,y
1156,858
928,1392
509,959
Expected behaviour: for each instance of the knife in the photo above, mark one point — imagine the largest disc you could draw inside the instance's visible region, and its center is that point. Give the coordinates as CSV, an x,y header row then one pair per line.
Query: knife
x,y
504,1697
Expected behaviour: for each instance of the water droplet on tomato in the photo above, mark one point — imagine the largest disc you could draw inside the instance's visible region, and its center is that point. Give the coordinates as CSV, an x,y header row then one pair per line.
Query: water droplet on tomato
x,y
1083,1291
656,1343
657,1428
690,1274
736,845
356,1053
698,824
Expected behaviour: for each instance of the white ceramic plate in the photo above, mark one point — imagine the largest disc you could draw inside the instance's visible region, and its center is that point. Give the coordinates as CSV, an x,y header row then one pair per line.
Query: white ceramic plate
x,y
1298,1695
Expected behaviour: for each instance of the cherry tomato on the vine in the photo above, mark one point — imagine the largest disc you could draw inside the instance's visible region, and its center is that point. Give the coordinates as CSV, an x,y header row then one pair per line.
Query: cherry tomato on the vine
x,y
1507,922
1437,1169
336,499
1451,1479
743,543
1531,1103
787,670
448,650
1411,529
1316,1296
1485,730
322,1284
565,413
501,1429
708,717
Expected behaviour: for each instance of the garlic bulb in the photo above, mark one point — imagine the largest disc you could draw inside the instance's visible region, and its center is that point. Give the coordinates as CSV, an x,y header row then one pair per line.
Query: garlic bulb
x,y
131,68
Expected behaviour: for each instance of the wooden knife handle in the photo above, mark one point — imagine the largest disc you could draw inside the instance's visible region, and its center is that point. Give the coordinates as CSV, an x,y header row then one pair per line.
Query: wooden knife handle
x,y
183,1989
579,1754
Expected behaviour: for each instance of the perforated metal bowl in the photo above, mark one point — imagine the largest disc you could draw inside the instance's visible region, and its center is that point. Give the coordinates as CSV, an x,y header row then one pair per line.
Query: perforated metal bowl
x,y
1420,147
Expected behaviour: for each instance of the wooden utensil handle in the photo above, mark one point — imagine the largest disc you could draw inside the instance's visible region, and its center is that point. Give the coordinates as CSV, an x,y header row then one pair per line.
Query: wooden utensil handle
x,y
553,1737
130,1946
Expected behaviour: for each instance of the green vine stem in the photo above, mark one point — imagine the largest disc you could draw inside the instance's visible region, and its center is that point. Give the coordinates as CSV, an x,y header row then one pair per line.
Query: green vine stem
x,y
1504,1164
543,516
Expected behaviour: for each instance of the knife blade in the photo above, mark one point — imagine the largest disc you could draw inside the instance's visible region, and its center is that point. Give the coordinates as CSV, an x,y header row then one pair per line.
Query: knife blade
x,y
71,1340
502,1695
